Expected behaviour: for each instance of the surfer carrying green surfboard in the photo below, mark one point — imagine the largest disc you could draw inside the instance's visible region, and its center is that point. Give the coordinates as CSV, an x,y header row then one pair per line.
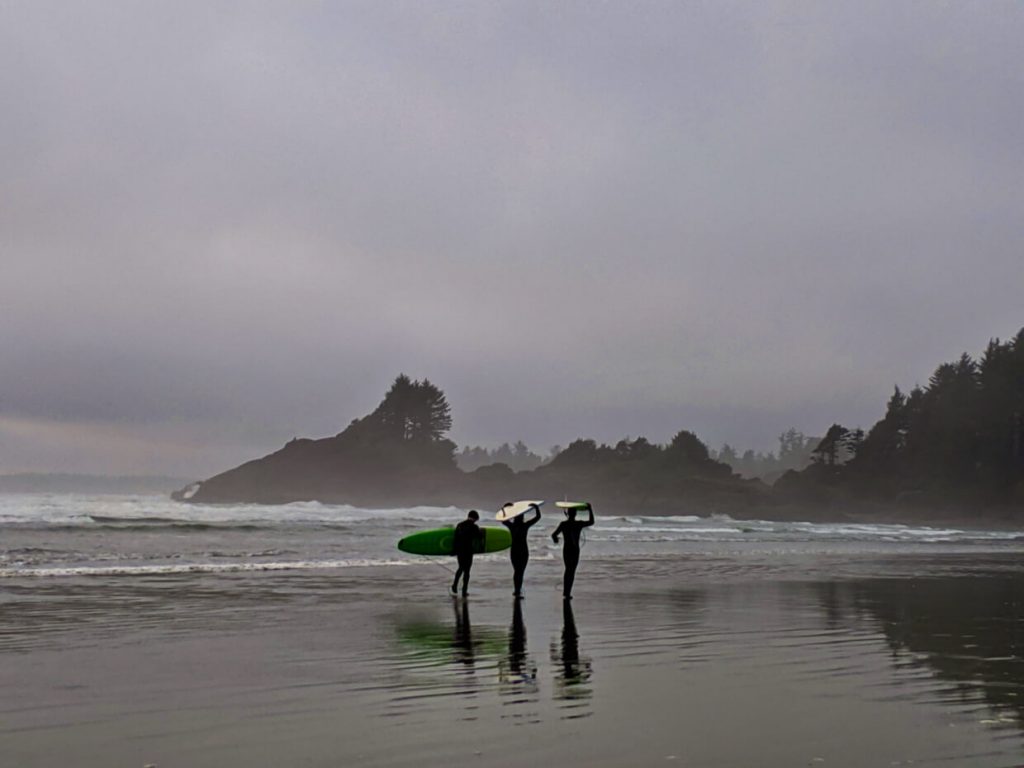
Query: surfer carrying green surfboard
x,y
467,536
518,526
571,528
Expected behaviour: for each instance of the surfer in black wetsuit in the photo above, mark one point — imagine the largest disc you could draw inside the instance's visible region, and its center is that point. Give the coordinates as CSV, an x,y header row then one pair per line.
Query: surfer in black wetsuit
x,y
467,534
571,529
520,552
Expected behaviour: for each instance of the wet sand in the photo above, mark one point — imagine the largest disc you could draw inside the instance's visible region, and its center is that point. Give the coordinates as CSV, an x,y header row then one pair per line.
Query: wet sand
x,y
690,661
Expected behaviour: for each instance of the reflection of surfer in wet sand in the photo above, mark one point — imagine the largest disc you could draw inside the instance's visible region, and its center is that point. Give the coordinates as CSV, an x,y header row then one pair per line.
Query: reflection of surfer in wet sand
x,y
571,528
517,644
519,526
570,643
463,641
516,669
575,673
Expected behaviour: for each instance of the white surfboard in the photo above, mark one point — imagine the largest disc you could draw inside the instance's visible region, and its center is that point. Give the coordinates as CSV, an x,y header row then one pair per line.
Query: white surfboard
x,y
516,508
577,505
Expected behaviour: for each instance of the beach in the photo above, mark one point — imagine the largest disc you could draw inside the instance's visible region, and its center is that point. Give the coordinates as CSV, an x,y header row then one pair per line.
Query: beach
x,y
705,643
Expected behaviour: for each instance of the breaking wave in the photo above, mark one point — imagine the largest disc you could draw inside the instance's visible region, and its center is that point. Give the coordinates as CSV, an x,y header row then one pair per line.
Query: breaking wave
x,y
171,569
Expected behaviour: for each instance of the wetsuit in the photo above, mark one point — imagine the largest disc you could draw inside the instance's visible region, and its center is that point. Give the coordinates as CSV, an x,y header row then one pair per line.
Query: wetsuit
x,y
467,533
571,529
520,552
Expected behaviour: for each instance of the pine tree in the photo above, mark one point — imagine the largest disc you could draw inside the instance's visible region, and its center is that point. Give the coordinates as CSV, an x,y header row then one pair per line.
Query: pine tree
x,y
829,450
413,411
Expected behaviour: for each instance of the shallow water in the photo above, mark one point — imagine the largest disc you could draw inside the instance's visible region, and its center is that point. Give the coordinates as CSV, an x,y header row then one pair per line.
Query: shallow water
x,y
63,535
126,643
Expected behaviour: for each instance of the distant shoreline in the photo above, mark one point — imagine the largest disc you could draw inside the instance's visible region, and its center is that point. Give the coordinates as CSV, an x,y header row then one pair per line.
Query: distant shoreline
x,y
992,518
53,482
986,518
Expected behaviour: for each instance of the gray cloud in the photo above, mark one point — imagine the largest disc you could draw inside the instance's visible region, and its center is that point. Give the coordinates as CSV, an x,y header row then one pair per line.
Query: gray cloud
x,y
225,224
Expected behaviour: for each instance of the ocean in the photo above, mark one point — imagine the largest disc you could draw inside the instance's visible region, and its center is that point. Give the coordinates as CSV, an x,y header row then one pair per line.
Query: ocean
x,y
48,536
135,630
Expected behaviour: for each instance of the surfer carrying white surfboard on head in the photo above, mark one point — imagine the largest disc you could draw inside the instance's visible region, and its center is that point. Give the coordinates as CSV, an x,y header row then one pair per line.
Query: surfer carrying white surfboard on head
x,y
467,536
519,526
571,528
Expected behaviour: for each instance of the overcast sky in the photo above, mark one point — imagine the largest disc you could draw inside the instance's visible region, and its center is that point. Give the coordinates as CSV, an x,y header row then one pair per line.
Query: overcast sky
x,y
226,224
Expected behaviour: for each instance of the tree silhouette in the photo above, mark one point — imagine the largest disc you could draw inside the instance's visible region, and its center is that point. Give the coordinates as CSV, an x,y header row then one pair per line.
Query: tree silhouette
x,y
794,449
517,457
829,450
413,411
728,455
687,448
959,441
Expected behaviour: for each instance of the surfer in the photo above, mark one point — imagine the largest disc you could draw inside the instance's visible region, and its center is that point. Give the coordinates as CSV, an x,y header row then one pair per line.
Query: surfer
x,y
520,553
467,534
571,529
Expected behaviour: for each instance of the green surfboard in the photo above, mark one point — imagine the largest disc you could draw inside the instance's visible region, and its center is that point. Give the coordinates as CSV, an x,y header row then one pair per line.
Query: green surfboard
x,y
441,541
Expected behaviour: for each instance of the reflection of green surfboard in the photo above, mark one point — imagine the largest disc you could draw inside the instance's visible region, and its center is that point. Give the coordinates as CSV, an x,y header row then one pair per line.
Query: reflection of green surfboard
x,y
435,640
441,541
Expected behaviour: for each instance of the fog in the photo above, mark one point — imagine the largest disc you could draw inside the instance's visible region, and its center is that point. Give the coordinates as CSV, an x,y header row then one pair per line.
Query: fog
x,y
223,225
